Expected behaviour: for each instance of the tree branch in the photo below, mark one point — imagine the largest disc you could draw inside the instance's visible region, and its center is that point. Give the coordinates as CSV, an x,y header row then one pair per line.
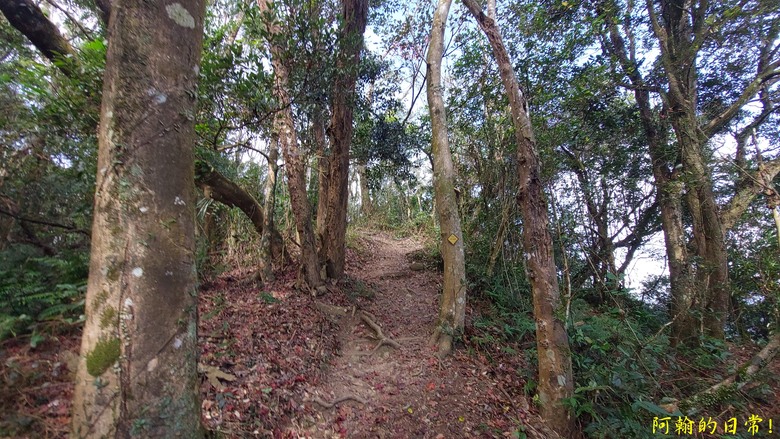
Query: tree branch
x,y
757,182
69,228
104,10
719,121
27,18
734,382
219,188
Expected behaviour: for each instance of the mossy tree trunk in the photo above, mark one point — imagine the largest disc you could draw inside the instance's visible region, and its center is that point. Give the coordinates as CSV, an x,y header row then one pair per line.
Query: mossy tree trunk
x,y
552,343
452,304
137,373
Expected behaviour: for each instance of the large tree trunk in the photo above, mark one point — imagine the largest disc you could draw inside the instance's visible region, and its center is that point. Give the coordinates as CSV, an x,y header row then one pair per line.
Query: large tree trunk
x,y
556,383
137,374
294,158
669,190
452,306
354,14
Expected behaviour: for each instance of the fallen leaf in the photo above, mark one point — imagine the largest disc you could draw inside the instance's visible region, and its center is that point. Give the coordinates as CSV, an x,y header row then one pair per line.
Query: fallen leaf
x,y
213,374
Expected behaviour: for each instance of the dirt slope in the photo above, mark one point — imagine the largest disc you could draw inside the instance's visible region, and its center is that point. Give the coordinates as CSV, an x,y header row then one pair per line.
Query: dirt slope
x,y
407,392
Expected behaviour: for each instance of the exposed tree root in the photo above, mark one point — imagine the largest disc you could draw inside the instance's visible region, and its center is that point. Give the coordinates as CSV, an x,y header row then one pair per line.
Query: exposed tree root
x,y
365,316
337,401
383,340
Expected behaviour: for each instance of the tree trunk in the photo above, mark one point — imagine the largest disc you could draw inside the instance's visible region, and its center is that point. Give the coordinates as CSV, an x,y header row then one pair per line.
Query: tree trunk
x,y
220,189
354,14
323,171
137,373
552,343
669,190
678,57
498,243
266,250
452,306
365,197
294,158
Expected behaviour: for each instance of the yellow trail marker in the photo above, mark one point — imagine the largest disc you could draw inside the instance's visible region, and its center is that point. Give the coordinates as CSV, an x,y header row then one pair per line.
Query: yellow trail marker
x,y
452,239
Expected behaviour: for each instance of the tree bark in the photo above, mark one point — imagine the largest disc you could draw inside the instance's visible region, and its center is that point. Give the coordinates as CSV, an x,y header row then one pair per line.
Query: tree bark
x,y
452,305
365,196
354,14
219,188
266,237
28,18
669,190
137,372
323,172
294,158
678,56
556,383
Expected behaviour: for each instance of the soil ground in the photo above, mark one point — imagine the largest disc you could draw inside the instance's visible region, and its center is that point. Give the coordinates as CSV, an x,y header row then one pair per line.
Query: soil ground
x,y
408,391
276,362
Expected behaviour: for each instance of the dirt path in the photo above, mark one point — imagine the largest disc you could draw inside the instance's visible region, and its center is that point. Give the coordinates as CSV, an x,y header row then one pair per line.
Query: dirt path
x,y
406,392
272,362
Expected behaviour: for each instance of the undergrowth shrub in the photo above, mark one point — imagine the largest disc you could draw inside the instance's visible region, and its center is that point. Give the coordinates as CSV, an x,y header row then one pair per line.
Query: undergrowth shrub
x,y
623,363
37,292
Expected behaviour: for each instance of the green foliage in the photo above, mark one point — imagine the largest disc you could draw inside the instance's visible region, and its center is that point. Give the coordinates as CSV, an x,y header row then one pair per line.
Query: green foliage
x,y
35,290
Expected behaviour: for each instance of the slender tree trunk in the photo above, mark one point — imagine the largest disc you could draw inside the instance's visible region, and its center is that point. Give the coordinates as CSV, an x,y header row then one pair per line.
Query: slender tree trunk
x,y
137,373
266,253
669,189
323,171
294,158
354,14
365,197
498,243
556,383
452,306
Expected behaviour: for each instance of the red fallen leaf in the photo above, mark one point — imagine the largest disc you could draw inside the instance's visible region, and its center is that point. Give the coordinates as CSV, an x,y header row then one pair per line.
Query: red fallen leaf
x,y
379,386
300,378
431,386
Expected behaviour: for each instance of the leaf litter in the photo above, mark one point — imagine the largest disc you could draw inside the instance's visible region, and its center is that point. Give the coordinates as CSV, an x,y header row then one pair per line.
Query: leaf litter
x,y
274,365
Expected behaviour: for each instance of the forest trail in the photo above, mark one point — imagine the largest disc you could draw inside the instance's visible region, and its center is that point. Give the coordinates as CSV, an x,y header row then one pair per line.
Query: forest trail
x,y
271,362
406,392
